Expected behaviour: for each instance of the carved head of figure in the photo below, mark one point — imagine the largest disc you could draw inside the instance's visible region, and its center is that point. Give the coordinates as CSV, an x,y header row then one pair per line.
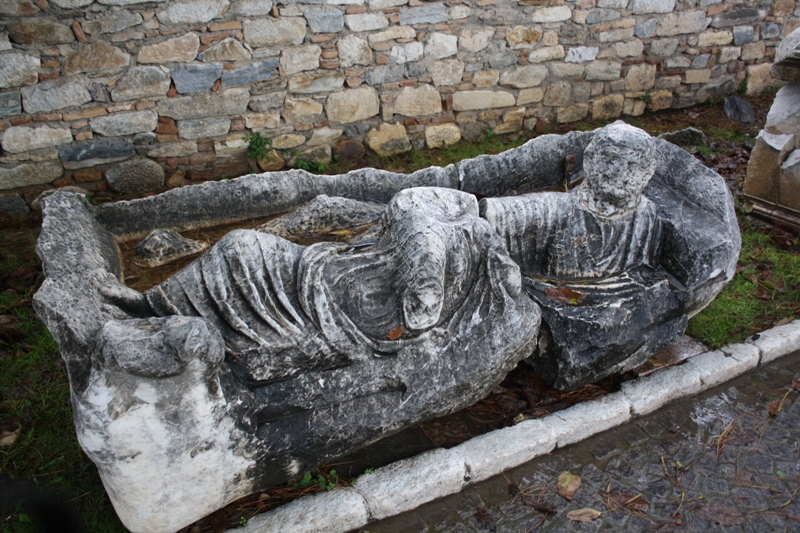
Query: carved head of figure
x,y
619,163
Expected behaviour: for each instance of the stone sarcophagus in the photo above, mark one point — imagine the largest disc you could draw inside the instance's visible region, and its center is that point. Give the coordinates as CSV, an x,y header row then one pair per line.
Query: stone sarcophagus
x,y
264,357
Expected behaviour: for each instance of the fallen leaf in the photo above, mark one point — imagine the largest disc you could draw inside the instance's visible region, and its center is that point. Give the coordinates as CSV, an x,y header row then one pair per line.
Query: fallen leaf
x,y
773,407
485,520
568,484
722,514
564,295
7,438
782,322
622,499
219,521
395,333
762,292
584,515
781,474
343,232
8,329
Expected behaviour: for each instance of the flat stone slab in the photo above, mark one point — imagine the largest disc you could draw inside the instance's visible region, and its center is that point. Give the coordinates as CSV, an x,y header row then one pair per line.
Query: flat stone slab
x,y
91,154
162,247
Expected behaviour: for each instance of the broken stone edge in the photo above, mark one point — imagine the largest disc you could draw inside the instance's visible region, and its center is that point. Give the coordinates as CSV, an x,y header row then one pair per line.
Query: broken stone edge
x,y
407,484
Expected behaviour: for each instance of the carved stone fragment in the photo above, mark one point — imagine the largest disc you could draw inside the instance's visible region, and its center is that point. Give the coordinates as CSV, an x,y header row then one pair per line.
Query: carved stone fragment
x,y
264,358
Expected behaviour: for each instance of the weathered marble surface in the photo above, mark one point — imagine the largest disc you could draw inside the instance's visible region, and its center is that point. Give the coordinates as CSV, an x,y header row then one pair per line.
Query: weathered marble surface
x,y
619,263
263,358
165,246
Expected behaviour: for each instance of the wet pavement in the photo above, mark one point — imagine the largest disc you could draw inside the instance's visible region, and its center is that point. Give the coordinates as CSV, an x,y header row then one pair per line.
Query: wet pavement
x,y
727,460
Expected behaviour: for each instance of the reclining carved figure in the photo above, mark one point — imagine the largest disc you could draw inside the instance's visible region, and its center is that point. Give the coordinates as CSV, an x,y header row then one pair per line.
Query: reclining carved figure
x,y
264,358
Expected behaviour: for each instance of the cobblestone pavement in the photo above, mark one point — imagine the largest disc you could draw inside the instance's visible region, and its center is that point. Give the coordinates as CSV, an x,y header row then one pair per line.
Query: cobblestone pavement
x,y
726,461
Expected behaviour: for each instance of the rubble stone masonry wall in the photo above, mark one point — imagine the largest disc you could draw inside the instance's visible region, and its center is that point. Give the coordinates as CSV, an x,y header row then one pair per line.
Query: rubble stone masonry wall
x,y
134,96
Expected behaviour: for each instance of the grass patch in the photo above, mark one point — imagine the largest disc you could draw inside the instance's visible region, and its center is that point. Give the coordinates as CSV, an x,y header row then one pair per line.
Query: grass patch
x,y
35,398
764,292
419,159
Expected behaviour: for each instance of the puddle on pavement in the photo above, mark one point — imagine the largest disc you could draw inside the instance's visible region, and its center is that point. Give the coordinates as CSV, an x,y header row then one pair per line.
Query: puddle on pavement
x,y
683,434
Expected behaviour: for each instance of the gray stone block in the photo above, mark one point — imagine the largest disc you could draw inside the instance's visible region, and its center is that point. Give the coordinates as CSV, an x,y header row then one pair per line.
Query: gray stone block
x,y
136,177
18,69
738,17
141,82
427,14
642,7
743,35
324,19
119,124
503,59
195,78
55,94
10,104
27,174
383,74
770,30
231,102
255,72
95,153
645,28
13,205
602,15
203,128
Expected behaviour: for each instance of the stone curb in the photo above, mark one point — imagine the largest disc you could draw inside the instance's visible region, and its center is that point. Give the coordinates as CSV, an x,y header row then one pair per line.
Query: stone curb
x,y
409,483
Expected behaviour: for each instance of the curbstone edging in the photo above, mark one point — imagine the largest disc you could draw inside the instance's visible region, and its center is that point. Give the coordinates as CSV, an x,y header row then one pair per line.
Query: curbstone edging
x,y
409,483
337,511
661,387
777,342
587,418
493,453
714,368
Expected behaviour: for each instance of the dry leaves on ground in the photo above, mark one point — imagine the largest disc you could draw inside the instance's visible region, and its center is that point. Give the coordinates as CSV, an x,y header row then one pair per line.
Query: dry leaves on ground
x,y
568,484
584,515
619,499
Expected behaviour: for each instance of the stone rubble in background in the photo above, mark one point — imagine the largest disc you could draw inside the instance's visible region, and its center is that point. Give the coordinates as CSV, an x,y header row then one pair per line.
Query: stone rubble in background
x,y
772,185
88,77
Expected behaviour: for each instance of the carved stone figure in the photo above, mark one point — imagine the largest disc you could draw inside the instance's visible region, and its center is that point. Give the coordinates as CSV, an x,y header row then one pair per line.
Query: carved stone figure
x,y
264,358
589,258
592,259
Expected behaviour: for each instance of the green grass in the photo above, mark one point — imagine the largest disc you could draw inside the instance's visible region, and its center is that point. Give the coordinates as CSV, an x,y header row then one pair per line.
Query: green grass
x,y
765,291
419,159
34,396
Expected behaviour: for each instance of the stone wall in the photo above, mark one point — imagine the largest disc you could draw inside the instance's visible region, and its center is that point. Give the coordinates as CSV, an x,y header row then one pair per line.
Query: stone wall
x,y
135,96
